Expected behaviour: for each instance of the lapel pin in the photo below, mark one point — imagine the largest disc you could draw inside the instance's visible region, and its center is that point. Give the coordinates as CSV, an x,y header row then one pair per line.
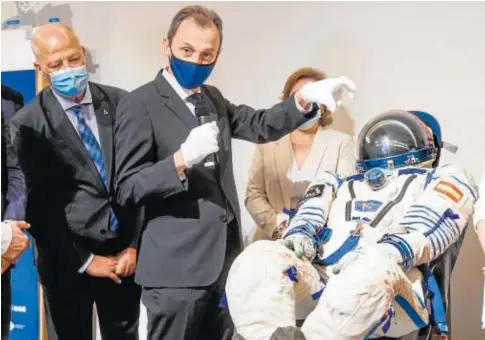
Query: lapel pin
x,y
105,112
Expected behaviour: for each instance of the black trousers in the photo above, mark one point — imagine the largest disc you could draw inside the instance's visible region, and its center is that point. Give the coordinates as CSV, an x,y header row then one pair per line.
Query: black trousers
x,y
191,313
69,307
6,304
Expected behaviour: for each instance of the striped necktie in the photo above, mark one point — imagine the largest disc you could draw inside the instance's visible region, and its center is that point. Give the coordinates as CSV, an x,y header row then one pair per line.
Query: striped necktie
x,y
96,154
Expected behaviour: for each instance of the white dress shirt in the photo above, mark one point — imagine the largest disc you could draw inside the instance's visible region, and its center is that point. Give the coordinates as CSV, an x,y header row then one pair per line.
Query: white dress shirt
x,y
182,93
6,236
90,119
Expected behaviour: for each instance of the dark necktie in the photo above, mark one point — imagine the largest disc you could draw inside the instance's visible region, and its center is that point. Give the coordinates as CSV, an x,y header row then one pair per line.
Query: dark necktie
x,y
199,104
96,154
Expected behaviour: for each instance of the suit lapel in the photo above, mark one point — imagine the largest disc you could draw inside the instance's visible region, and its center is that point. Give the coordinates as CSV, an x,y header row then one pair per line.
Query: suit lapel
x,y
103,110
215,117
282,159
65,132
174,102
62,126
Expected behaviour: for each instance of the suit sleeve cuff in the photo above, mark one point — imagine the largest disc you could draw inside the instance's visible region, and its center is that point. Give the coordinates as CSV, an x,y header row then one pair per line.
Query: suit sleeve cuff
x,y
302,109
15,210
6,236
86,264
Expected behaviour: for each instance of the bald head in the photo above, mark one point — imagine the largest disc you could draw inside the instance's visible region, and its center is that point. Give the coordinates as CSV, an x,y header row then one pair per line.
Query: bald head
x,y
50,37
56,46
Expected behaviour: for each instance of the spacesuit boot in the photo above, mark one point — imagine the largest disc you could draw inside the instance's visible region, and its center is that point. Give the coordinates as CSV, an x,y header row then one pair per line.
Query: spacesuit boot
x,y
264,285
288,333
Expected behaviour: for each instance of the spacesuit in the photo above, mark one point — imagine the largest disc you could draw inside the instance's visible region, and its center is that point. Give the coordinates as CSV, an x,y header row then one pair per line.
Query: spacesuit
x,y
352,262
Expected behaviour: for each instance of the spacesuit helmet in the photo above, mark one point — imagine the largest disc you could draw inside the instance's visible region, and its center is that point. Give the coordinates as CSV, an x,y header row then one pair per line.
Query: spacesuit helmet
x,y
395,139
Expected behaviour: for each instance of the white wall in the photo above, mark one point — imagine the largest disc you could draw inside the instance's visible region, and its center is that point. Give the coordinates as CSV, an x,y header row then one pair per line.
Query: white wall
x,y
427,56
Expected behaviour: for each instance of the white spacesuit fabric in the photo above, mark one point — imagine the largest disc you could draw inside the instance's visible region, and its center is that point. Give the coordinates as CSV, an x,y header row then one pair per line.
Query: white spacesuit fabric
x,y
365,246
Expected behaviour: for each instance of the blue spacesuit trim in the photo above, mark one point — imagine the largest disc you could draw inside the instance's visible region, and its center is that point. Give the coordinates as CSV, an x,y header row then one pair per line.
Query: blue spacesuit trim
x,y
399,161
429,178
358,177
289,212
317,295
451,222
365,219
403,247
385,321
350,243
412,171
413,315
438,312
447,214
339,180
324,235
292,274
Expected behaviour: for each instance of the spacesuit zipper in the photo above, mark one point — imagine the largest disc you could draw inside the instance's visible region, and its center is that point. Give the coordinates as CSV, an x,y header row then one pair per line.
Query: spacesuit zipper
x,y
348,206
391,204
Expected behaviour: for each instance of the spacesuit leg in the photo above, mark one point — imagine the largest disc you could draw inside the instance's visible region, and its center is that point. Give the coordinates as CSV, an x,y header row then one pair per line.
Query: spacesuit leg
x,y
264,284
357,301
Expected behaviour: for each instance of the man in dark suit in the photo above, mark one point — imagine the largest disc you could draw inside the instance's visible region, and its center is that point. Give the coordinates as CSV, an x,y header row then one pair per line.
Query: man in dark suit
x,y
86,243
192,215
14,241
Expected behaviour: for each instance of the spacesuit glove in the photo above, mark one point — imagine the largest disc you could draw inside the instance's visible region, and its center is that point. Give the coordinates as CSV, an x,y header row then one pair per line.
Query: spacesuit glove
x,y
301,244
328,92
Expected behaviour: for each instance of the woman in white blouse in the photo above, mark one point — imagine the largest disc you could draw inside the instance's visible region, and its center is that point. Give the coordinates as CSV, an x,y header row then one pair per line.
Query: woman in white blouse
x,y
282,170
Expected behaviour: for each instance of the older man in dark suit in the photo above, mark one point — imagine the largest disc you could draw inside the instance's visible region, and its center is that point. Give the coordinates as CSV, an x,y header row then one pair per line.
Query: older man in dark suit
x,y
86,243
14,240
192,220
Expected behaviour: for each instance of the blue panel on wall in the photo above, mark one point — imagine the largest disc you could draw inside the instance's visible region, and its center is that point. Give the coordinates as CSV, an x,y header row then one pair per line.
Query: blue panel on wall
x,y
21,81
25,300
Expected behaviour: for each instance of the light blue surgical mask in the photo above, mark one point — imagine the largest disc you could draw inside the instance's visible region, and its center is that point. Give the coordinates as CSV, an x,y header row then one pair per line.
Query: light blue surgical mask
x,y
309,123
70,82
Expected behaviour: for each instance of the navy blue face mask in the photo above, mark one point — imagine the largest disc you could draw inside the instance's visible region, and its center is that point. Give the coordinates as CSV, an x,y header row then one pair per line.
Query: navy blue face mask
x,y
188,74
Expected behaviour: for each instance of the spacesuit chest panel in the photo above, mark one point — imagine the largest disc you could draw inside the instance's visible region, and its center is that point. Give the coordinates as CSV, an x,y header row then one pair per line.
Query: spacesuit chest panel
x,y
378,209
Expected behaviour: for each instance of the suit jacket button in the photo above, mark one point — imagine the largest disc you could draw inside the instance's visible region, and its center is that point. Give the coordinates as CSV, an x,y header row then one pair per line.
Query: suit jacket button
x,y
223,218
102,231
110,199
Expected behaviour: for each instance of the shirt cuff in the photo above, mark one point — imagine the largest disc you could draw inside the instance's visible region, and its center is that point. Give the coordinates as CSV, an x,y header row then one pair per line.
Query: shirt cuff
x,y
182,177
301,109
6,236
86,264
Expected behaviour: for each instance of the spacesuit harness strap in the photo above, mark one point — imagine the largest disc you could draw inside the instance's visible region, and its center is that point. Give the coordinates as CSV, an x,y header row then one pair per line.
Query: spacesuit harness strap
x,y
438,310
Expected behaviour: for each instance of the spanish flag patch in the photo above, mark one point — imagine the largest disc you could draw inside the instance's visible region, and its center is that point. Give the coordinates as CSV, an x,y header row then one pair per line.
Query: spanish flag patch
x,y
449,190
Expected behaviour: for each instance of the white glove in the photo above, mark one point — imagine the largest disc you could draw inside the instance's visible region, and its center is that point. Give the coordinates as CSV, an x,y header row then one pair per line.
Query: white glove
x,y
328,92
201,142
301,244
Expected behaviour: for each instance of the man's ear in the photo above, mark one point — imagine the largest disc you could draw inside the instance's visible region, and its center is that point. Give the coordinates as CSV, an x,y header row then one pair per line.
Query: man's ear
x,y
37,66
166,47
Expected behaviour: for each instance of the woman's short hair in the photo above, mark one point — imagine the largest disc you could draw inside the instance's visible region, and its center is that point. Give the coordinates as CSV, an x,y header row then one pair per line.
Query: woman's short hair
x,y
307,73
